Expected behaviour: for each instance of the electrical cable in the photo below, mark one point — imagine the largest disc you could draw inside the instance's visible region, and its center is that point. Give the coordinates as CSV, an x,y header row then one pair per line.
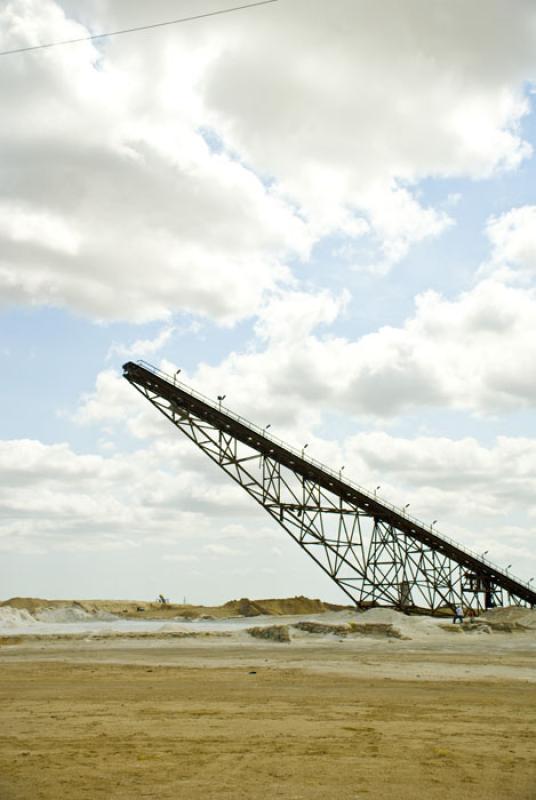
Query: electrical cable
x,y
140,28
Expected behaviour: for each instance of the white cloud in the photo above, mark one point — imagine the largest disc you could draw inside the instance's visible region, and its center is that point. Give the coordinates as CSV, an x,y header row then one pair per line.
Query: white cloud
x,y
465,467
20,225
113,399
293,315
482,496
113,203
142,347
54,500
400,222
513,239
369,98
476,352
119,213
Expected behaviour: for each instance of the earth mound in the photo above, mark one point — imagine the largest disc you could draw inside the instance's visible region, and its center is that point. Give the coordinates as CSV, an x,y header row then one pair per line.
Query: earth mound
x,y
386,630
516,616
30,604
321,628
382,629
283,606
245,608
275,633
136,609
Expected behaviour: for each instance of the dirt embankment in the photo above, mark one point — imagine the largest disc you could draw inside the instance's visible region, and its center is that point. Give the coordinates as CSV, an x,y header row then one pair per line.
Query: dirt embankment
x,y
282,606
140,609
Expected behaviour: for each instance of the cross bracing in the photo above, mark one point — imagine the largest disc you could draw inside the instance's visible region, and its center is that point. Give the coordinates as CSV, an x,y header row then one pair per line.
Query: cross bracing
x,y
376,554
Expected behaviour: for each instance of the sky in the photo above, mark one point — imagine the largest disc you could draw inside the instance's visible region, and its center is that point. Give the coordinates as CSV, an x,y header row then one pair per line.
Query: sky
x,y
325,211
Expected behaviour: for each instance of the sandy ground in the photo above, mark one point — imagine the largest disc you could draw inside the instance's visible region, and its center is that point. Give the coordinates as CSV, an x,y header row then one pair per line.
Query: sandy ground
x,y
448,716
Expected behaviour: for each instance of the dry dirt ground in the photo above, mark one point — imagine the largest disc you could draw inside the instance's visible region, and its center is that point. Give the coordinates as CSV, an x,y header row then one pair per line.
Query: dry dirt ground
x,y
185,720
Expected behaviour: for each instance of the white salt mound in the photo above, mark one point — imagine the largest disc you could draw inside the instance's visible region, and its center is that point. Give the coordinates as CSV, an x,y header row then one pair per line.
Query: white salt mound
x,y
63,614
385,616
413,627
170,627
72,614
14,617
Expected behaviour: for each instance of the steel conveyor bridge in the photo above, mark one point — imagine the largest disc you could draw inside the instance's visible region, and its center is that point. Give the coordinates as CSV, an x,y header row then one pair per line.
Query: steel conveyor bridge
x,y
376,553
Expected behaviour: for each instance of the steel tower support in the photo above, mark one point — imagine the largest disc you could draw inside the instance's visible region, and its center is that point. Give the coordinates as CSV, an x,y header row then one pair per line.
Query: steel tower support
x,y
374,552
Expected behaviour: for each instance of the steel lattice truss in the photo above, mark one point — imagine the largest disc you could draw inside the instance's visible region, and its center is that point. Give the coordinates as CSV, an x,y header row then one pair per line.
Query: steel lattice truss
x,y
375,554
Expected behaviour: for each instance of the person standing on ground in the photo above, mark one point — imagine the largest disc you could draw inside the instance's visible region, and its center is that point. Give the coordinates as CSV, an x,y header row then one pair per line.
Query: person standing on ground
x,y
458,614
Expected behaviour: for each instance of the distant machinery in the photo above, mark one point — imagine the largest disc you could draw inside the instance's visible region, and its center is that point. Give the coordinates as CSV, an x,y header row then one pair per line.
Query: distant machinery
x,y
377,554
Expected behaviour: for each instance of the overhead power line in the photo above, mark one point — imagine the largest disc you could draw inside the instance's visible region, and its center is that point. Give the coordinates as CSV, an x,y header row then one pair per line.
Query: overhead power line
x,y
139,28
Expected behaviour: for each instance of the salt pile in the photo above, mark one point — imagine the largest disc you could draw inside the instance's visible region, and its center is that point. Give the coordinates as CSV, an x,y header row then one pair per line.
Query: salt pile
x,y
171,627
15,617
71,614
411,627
63,614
